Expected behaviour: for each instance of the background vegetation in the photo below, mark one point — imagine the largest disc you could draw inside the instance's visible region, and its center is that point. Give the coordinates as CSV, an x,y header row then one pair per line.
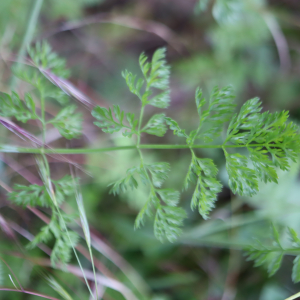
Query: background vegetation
x,y
253,45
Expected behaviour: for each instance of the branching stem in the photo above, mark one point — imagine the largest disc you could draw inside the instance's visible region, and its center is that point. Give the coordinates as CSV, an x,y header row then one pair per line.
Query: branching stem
x,y
14,149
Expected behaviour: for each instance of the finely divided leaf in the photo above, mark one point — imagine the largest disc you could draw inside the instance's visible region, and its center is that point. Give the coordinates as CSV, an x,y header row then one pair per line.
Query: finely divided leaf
x,y
43,237
13,106
169,197
296,270
63,188
294,237
168,222
152,202
160,71
32,195
156,74
156,125
125,183
275,263
44,58
242,180
263,166
63,248
112,120
269,139
159,172
204,172
68,123
220,111
175,127
134,87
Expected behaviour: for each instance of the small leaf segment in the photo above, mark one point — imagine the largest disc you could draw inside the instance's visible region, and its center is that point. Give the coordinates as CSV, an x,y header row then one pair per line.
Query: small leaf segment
x,y
271,256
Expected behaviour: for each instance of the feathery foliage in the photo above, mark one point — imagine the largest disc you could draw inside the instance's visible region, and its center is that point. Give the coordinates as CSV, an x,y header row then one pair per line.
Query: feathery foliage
x,y
271,256
270,142
11,106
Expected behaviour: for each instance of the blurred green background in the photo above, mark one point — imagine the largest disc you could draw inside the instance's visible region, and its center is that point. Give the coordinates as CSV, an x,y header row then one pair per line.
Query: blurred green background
x,y
254,45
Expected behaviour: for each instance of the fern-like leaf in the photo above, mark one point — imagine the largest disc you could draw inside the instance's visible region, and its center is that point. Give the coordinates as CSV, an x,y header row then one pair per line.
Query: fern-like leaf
x,y
44,58
203,172
168,222
68,123
242,180
33,195
13,106
159,172
156,125
112,120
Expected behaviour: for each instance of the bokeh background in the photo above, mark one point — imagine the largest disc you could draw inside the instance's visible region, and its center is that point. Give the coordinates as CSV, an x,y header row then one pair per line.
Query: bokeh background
x,y
253,45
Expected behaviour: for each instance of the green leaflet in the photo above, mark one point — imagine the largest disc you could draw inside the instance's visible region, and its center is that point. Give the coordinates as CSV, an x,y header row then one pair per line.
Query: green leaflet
x,y
63,248
111,121
161,202
270,140
203,172
220,110
175,127
68,123
37,195
242,180
147,210
13,106
271,256
65,185
44,58
64,241
156,74
159,172
43,236
168,222
156,125
296,269
33,195
125,183
134,87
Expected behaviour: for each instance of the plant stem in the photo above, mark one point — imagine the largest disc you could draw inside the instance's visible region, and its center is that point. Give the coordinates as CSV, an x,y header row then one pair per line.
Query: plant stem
x,y
43,117
14,149
46,178
140,125
293,297
28,35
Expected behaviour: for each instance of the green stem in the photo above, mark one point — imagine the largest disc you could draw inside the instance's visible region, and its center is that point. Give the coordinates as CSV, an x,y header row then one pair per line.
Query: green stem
x,y
46,177
14,149
140,125
43,120
293,297
28,35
